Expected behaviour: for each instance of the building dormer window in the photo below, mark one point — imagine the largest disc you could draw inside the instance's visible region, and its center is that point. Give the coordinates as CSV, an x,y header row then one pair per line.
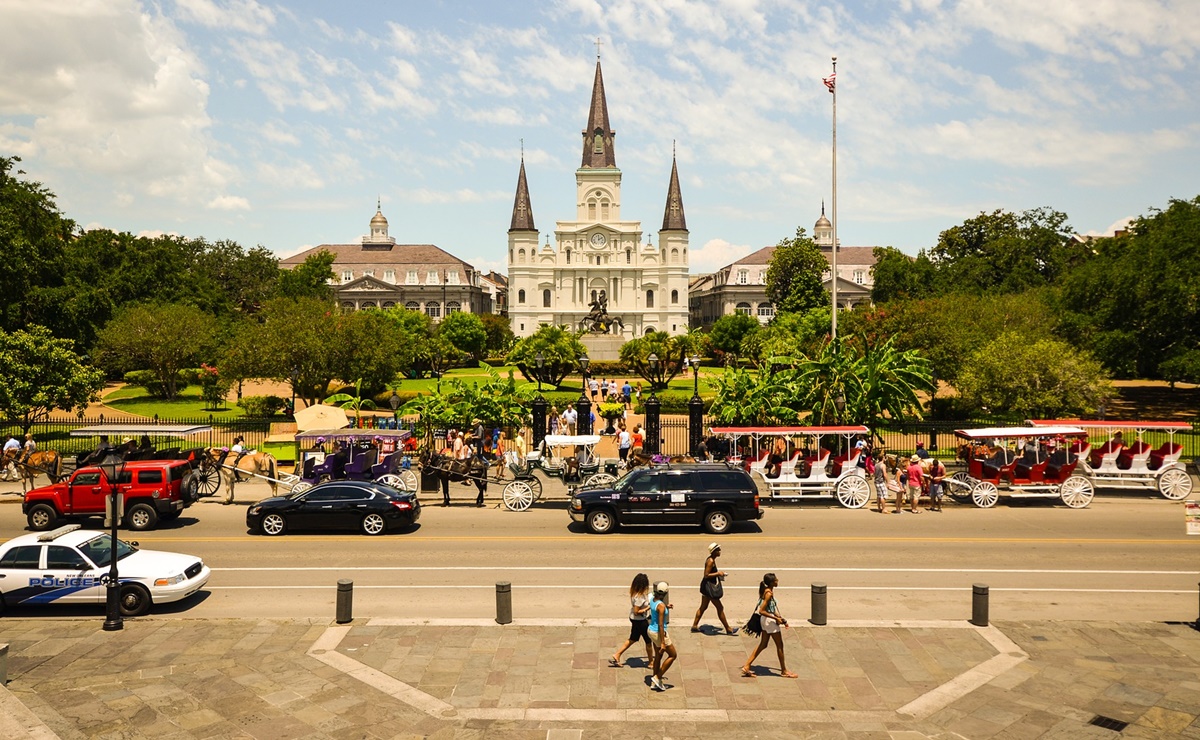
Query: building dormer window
x,y
431,277
411,278
762,277
389,276
368,273
859,277
452,277
347,276
743,277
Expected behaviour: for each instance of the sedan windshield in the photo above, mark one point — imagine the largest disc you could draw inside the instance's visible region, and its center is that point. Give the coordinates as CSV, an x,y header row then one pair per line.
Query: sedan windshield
x,y
98,550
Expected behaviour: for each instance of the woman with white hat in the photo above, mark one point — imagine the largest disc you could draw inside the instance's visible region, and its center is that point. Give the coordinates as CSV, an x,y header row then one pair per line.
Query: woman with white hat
x,y
712,591
660,616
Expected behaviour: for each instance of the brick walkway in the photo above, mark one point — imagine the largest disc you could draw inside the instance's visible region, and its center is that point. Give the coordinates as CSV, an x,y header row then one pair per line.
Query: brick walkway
x,y
163,678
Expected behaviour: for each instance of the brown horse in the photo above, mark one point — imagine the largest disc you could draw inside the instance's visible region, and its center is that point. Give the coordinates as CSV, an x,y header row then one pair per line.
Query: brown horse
x,y
243,468
47,462
638,458
447,469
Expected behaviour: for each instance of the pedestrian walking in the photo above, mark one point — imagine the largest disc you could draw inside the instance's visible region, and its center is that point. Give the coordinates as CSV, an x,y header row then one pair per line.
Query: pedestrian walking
x,y
571,416
637,439
639,620
915,476
603,390
627,393
771,624
593,388
711,590
555,419
660,617
937,476
612,389
880,477
624,444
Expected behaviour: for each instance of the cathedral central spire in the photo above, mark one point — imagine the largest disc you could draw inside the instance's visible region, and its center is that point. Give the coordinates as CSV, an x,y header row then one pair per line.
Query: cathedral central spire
x,y
598,136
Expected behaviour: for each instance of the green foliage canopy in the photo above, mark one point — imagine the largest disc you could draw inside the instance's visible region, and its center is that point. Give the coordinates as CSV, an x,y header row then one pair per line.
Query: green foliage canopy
x,y
560,348
794,277
729,331
40,373
163,338
466,332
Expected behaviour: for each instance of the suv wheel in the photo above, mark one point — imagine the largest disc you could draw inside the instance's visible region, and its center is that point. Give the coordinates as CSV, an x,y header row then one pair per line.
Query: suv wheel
x,y
718,521
601,521
141,517
42,517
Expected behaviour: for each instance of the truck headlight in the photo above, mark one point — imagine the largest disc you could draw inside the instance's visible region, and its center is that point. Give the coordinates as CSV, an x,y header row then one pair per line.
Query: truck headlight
x,y
576,503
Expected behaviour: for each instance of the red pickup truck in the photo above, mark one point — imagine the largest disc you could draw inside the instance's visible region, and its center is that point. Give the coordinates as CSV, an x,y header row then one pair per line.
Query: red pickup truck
x,y
154,490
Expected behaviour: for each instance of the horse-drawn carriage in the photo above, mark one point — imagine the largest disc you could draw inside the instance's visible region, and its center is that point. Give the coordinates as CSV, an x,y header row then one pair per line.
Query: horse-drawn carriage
x,y
205,477
582,466
1021,462
382,455
805,471
1121,463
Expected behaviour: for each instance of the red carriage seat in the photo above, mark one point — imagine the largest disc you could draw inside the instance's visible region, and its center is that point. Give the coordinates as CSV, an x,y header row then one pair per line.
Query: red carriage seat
x,y
818,461
1169,452
1126,457
999,466
1108,449
838,463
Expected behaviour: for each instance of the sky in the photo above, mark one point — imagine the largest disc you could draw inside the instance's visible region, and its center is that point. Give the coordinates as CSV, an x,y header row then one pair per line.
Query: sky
x,y
282,123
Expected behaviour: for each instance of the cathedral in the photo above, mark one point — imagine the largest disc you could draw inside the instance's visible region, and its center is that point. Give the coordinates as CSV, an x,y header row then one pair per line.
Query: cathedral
x,y
597,273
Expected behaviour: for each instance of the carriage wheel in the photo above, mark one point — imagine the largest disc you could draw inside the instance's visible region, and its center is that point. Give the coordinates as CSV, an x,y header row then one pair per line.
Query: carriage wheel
x,y
985,494
208,479
599,479
1076,492
518,495
960,492
301,487
853,491
408,481
1175,484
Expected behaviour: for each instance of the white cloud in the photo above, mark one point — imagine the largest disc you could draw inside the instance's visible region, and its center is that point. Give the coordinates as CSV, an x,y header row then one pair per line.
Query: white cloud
x,y
229,203
236,15
715,254
155,233
463,195
299,174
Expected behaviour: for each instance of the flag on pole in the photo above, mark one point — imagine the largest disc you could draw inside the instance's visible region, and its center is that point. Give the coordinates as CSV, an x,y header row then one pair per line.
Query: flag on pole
x,y
830,81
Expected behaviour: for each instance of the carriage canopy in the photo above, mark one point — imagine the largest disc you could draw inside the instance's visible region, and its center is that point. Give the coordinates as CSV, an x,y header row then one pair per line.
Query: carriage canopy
x,y
1005,432
789,431
561,440
133,430
1165,426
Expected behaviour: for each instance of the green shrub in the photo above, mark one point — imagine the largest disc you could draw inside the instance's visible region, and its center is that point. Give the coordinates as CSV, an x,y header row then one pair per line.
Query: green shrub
x,y
382,400
672,402
148,379
261,406
608,368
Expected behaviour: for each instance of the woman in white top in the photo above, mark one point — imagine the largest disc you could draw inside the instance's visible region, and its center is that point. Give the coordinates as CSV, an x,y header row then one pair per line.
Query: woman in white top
x,y
639,620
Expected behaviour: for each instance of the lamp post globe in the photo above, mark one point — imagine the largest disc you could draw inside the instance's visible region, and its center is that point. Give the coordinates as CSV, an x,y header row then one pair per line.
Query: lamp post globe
x,y
113,466
540,360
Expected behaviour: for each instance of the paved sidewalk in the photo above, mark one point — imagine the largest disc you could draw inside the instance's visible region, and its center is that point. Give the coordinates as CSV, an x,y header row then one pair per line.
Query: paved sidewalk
x,y
178,678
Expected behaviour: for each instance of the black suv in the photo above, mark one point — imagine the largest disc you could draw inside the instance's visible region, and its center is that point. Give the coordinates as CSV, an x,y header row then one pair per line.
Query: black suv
x,y
709,494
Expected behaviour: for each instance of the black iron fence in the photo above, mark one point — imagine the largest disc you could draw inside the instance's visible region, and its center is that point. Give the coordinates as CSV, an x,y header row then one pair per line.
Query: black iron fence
x,y
55,433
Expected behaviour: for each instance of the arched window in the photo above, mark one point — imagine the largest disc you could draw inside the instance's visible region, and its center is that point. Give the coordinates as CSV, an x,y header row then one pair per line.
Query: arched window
x,y
674,256
521,296
347,305
546,298
649,299
521,255
389,304
453,307
413,306
628,256
674,296
433,310
568,256
766,310
648,329
743,308
367,304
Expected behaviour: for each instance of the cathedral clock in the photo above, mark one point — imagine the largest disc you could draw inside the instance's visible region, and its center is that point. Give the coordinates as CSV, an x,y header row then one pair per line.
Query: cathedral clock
x,y
599,240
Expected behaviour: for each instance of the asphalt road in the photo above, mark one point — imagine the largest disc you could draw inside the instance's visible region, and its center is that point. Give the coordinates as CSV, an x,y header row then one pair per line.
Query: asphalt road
x,y
1124,558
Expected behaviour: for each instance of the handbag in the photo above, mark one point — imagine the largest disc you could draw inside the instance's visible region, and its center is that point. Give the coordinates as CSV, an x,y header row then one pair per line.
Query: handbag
x,y
713,588
754,623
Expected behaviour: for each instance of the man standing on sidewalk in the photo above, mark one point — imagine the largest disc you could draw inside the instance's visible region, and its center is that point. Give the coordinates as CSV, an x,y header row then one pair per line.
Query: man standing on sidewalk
x,y
915,474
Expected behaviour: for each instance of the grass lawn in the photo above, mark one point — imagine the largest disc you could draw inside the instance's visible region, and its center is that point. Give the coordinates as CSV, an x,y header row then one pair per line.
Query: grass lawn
x,y
283,451
682,382
135,400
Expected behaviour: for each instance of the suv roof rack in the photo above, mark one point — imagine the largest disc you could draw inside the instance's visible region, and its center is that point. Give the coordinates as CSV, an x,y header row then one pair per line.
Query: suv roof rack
x,y
54,534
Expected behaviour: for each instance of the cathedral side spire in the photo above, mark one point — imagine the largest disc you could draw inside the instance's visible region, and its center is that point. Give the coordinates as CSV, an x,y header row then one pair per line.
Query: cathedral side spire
x,y
598,136
673,217
522,215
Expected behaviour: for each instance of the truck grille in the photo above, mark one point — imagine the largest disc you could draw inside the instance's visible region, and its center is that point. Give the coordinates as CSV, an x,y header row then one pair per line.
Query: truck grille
x,y
194,570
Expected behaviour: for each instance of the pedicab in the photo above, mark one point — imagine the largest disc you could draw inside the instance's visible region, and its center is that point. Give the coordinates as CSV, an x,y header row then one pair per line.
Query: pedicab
x,y
1035,466
1120,463
382,455
807,472
550,460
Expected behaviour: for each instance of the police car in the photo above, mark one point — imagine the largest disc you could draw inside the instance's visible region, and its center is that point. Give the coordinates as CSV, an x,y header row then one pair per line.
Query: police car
x,y
69,565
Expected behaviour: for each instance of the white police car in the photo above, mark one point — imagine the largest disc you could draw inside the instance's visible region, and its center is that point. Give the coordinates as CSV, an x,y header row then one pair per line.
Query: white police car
x,y
70,566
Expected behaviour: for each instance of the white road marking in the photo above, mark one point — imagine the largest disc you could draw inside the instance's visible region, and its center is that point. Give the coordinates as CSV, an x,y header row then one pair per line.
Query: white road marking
x,y
633,568
459,587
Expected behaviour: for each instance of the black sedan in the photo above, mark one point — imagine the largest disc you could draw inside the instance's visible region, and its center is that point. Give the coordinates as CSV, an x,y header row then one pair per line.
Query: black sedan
x,y
369,507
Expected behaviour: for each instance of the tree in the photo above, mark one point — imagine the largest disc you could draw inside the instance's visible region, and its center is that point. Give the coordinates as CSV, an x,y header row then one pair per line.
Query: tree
x,y
794,280
788,335
1005,252
354,402
669,350
40,373
162,338
466,332
728,333
1043,379
560,349
1181,368
310,279
754,398
32,237
897,276
374,349
497,402
500,336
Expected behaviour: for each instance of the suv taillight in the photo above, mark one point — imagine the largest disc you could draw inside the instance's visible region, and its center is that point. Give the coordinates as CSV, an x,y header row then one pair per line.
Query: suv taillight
x,y
756,500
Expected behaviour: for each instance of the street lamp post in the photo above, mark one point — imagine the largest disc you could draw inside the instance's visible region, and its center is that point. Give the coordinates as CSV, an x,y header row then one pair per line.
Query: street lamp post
x,y
840,404
933,443
295,379
583,407
394,402
653,441
113,466
540,359
539,405
695,406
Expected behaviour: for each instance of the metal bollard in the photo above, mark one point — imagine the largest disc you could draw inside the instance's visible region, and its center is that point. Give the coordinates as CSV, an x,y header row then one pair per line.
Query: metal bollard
x,y
4,664
818,604
503,602
979,605
345,601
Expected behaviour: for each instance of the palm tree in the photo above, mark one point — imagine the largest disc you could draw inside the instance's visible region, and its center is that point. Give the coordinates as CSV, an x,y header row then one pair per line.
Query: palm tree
x,y
356,402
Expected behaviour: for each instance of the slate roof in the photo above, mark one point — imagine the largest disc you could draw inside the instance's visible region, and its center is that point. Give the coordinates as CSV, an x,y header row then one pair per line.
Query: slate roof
x,y
673,216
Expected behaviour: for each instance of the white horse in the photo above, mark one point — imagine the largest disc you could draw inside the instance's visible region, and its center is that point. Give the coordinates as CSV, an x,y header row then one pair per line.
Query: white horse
x,y
240,469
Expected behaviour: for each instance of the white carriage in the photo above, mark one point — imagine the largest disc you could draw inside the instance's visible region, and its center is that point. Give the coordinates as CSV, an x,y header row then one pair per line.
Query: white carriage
x,y
1137,463
811,470
565,456
1021,462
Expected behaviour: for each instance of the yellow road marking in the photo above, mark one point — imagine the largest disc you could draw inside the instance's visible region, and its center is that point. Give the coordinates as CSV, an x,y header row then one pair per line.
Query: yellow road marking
x,y
685,538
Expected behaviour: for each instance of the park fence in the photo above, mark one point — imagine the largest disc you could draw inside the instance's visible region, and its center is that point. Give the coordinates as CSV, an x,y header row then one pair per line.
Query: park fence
x,y
55,432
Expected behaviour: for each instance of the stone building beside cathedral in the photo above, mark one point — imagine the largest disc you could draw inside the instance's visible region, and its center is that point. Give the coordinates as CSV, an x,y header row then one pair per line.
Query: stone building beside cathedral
x,y
598,257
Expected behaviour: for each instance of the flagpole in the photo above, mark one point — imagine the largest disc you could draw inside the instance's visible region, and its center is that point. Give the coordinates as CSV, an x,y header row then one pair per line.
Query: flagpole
x,y
834,250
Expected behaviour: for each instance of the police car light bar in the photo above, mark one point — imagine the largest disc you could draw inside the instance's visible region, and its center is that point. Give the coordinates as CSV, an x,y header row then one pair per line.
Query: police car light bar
x,y
56,533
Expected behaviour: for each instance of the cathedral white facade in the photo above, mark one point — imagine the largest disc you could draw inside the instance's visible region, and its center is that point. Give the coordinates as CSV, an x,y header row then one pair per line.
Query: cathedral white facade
x,y
598,258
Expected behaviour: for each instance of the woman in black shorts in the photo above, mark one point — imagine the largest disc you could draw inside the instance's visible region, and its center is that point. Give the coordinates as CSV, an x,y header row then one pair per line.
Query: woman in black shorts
x,y
639,619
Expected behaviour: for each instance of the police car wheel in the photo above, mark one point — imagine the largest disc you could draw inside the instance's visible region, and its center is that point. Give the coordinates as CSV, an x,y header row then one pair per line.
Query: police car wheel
x,y
135,600
42,517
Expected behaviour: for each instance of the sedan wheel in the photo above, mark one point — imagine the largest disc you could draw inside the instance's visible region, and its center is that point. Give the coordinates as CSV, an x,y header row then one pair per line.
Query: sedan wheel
x,y
373,524
273,525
